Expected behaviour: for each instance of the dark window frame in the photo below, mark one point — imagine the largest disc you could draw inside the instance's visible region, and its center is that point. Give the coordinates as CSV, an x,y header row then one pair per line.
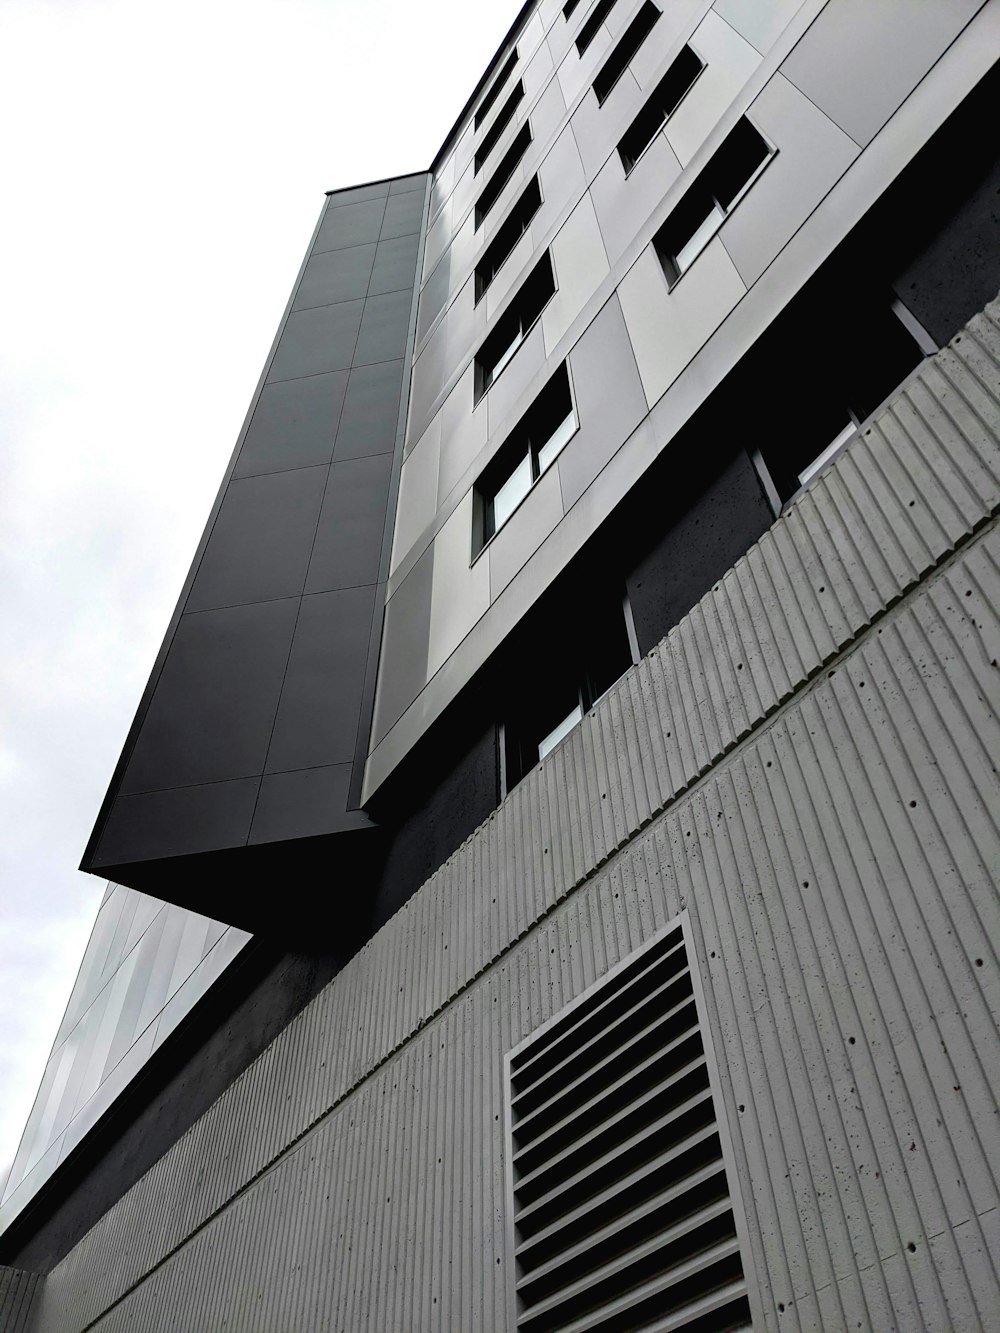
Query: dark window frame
x,y
711,197
503,118
496,89
625,49
507,235
659,107
541,423
505,168
593,22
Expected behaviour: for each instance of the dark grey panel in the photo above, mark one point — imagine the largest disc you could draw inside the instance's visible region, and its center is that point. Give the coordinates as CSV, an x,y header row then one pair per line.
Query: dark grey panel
x,y
336,275
395,265
358,194
371,411
294,424
211,713
351,224
304,804
173,823
349,535
610,402
404,645
317,719
384,327
404,184
403,214
316,341
259,547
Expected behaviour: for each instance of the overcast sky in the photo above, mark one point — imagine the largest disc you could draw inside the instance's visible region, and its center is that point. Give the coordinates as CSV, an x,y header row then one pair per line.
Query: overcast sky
x,y
162,165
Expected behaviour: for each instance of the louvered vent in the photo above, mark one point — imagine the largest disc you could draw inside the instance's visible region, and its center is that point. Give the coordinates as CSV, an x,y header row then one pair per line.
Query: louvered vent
x,y
622,1213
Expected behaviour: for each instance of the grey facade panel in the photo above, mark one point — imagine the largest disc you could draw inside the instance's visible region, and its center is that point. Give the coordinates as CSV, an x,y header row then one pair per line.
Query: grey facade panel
x,y
293,425
267,665
803,766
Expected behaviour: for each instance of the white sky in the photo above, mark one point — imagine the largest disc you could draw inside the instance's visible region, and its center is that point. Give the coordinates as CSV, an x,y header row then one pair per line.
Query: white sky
x,y
162,165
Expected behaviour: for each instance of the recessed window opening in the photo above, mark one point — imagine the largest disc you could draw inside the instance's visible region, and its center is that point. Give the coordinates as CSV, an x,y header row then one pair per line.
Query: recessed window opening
x,y
628,44
842,362
569,7
505,169
571,663
660,106
530,449
514,325
730,171
503,119
594,20
496,89
508,234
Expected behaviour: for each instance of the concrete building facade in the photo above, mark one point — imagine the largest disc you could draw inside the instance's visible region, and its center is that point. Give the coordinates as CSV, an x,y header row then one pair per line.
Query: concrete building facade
x,y
593,651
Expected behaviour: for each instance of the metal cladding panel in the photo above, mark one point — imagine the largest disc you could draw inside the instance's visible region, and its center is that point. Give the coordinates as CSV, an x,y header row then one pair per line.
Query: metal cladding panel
x,y
259,639
811,752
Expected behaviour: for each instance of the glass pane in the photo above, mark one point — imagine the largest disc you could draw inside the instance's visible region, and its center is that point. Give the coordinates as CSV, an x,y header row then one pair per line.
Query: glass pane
x,y
556,441
505,356
558,732
512,492
840,438
690,252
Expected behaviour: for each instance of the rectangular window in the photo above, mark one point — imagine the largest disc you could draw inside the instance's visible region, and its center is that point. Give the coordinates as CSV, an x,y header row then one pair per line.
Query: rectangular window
x,y
569,7
629,42
503,119
533,445
594,20
514,324
505,169
508,234
622,1209
496,89
664,100
736,163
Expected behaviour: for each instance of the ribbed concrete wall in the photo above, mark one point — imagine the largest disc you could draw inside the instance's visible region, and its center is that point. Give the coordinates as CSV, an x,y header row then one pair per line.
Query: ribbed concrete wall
x,y
806,767
17,1292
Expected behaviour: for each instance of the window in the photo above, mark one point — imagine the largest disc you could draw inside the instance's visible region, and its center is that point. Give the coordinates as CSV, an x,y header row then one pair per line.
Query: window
x,y
736,163
497,88
503,119
534,444
508,234
631,39
623,1214
514,324
565,660
594,20
505,169
665,98
569,7
842,358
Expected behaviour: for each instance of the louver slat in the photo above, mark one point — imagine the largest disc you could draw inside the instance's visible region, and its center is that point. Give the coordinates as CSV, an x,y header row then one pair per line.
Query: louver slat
x,y
622,1212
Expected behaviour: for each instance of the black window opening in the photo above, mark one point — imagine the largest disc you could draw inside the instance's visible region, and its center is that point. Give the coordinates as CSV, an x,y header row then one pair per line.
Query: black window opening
x,y
568,8
838,367
738,160
628,44
660,106
531,448
505,169
508,234
503,119
514,325
581,651
496,89
594,20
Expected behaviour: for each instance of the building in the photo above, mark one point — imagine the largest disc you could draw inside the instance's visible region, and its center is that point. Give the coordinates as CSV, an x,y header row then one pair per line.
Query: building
x,y
554,861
